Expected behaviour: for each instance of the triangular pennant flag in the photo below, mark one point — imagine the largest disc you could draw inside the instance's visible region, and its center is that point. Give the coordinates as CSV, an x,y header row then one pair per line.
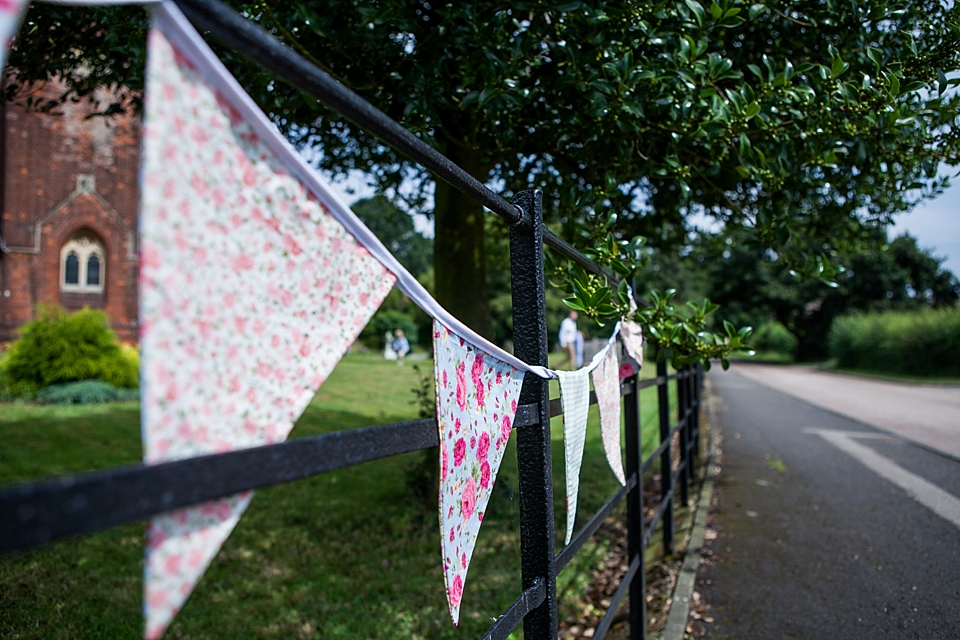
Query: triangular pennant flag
x,y
606,382
11,13
250,295
476,405
575,398
632,336
180,546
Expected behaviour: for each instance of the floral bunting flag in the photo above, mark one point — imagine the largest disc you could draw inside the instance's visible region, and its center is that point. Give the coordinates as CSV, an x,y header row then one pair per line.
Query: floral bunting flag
x,y
632,336
11,12
250,293
575,398
606,382
476,404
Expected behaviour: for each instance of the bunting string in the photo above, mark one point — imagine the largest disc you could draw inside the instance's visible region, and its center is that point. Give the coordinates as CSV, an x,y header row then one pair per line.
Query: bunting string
x,y
185,38
255,278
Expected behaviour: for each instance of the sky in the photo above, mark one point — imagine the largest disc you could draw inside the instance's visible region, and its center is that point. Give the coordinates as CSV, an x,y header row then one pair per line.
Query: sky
x,y
934,223
936,226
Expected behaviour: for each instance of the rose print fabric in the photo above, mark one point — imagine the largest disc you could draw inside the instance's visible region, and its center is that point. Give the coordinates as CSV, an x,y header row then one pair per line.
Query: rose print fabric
x,y
632,336
11,12
575,398
476,405
606,382
250,293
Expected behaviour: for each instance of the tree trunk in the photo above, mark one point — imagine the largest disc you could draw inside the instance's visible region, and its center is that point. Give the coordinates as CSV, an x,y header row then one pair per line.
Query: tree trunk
x,y
459,259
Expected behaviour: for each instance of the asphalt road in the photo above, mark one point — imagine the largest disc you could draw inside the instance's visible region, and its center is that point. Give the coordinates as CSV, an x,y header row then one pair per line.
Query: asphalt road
x,y
827,529
928,414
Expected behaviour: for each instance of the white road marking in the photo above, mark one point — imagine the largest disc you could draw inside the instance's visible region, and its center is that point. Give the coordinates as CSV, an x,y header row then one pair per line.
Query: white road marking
x,y
926,493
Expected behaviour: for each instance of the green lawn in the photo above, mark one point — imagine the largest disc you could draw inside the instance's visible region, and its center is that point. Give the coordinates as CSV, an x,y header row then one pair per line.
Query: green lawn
x,y
351,554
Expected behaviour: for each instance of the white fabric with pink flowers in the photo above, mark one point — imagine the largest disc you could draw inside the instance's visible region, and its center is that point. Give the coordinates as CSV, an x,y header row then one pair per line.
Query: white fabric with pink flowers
x,y
255,278
250,294
606,383
476,404
632,335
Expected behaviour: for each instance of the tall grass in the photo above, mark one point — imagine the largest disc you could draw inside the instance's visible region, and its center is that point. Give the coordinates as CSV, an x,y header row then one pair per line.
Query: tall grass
x,y
915,343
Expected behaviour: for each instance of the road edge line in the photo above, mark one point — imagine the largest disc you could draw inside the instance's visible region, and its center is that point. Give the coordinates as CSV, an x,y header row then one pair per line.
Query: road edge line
x,y
676,627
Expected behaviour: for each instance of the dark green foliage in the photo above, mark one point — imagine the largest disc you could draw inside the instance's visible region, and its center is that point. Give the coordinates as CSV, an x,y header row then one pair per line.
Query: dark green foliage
x,y
753,285
395,229
756,112
56,347
10,392
84,392
917,343
804,123
89,48
398,302
773,337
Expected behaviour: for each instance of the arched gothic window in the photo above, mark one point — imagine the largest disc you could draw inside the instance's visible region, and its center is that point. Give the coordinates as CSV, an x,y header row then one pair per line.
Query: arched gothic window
x,y
82,262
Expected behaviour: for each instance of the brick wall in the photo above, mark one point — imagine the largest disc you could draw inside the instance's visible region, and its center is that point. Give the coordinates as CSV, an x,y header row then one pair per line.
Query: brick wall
x,y
42,158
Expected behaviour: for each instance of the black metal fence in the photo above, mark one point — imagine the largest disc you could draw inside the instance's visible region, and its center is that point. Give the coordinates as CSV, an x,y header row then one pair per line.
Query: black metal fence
x,y
38,513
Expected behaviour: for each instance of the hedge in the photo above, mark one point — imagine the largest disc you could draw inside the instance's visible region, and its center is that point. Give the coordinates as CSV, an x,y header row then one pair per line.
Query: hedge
x,y
774,338
917,343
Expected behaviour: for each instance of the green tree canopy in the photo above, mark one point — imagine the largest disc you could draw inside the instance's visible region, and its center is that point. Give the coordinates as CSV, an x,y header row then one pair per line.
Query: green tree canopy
x,y
879,276
806,123
394,227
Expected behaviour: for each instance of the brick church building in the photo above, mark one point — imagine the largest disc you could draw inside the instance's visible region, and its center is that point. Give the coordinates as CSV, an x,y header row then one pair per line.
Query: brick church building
x,y
68,213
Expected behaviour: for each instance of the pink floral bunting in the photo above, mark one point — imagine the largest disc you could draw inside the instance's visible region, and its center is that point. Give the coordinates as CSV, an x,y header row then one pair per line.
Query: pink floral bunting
x,y
251,292
606,383
11,13
476,405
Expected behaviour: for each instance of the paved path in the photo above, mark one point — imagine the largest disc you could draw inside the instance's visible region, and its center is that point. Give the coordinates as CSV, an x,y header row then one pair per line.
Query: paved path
x,y
927,414
827,529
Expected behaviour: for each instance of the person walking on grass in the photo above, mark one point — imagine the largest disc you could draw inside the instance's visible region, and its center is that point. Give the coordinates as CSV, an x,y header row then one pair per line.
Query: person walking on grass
x,y
568,340
400,346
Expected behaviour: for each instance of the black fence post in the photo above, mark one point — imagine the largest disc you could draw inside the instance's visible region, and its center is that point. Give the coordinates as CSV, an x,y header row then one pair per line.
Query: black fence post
x,y
698,402
666,459
533,442
691,422
692,440
683,384
634,437
694,394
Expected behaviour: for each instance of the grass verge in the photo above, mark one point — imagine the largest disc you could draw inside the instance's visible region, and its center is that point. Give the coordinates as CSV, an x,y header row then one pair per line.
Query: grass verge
x,y
351,554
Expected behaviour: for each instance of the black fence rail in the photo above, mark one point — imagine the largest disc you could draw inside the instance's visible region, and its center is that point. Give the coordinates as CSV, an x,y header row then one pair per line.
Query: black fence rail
x,y
38,513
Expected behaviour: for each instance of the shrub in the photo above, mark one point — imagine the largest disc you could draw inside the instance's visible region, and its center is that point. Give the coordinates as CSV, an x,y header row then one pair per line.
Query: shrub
x,y
10,392
773,337
84,392
388,320
57,347
915,343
